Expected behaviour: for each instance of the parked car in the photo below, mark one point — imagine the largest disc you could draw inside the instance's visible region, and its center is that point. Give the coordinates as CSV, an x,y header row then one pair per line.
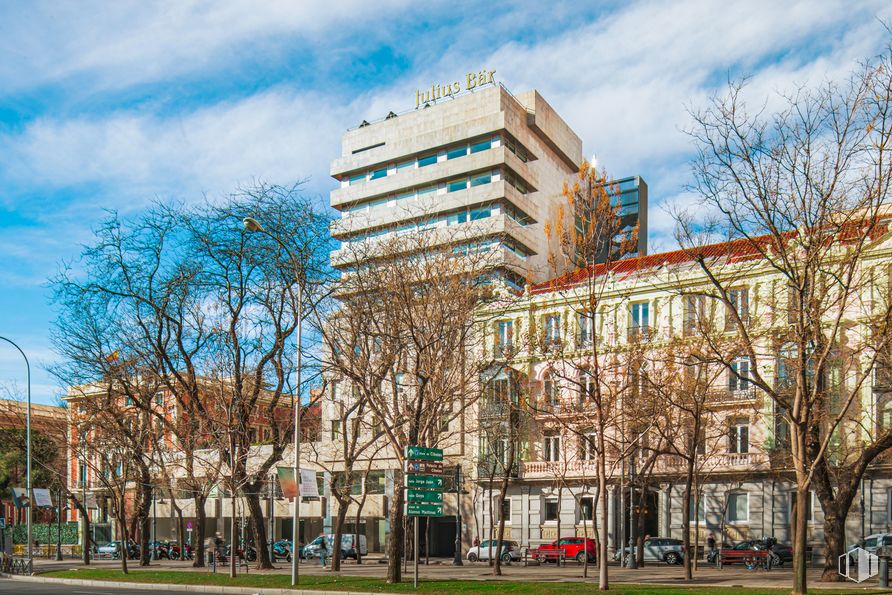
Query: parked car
x,y
782,552
348,546
872,542
510,550
112,549
659,549
573,548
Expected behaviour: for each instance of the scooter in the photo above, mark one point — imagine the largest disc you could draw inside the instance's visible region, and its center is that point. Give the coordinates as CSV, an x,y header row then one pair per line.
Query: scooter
x,y
282,549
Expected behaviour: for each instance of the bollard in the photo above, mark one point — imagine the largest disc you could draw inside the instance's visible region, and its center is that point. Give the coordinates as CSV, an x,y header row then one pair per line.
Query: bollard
x,y
884,572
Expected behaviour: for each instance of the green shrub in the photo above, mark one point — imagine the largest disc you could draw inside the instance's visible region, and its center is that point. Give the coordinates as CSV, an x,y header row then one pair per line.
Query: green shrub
x,y
46,533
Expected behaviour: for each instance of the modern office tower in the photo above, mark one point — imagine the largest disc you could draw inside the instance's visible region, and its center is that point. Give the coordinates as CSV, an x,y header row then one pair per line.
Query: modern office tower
x,y
481,172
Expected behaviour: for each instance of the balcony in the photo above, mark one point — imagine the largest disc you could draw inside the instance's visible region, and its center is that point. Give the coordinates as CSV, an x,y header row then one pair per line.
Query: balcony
x,y
640,333
494,409
718,462
716,397
552,469
496,469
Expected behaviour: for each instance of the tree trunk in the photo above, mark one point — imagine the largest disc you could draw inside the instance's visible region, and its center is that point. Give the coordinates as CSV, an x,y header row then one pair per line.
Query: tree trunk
x,y
258,527
603,583
395,542
338,531
835,540
359,508
639,519
122,528
200,527
141,519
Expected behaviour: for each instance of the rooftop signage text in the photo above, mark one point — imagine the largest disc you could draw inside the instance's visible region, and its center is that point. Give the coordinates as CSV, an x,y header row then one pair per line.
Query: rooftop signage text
x,y
437,91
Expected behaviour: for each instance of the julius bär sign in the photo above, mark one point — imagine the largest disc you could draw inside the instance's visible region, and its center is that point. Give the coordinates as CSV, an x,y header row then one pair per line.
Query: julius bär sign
x,y
438,91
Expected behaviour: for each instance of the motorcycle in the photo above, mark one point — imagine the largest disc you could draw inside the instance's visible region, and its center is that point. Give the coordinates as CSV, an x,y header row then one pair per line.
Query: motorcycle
x,y
282,549
174,552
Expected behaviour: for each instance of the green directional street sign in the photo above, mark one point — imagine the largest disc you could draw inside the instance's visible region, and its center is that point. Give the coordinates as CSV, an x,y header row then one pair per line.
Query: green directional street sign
x,y
422,453
424,509
430,482
424,496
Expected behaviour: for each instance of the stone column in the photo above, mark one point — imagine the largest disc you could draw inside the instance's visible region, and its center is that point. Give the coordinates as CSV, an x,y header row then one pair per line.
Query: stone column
x,y
665,510
611,519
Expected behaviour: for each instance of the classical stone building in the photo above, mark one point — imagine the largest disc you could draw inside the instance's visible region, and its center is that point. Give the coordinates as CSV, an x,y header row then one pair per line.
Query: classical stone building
x,y
650,303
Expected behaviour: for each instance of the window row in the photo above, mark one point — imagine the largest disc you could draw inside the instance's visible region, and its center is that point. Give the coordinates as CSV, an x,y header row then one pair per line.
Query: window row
x,y
449,153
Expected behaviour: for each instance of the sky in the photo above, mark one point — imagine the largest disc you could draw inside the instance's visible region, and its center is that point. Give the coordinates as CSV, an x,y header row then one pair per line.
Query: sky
x,y
112,105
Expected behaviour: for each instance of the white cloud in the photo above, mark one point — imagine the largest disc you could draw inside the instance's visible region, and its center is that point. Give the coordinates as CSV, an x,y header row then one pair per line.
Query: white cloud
x,y
119,44
136,156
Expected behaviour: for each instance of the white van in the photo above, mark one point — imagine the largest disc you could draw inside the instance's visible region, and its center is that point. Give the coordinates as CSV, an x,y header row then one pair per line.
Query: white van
x,y
348,546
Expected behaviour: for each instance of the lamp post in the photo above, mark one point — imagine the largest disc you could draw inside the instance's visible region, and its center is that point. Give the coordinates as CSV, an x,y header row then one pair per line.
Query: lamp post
x,y
59,527
456,560
253,226
28,450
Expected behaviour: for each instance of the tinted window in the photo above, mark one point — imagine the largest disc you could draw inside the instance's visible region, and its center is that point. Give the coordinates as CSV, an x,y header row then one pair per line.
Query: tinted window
x,y
427,160
481,146
459,152
870,542
379,173
887,540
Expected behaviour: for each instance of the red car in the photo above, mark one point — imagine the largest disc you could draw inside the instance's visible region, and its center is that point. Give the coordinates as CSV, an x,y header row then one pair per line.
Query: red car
x,y
573,548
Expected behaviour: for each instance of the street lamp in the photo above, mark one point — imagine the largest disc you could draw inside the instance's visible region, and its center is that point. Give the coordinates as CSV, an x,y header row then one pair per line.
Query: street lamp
x,y
59,526
253,226
456,560
28,449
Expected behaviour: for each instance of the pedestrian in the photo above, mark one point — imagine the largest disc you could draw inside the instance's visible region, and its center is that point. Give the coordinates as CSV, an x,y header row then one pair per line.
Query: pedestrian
x,y
323,550
476,542
710,546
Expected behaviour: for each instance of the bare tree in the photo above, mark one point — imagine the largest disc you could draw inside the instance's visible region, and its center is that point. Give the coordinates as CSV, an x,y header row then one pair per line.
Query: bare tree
x,y
592,232
801,193
409,305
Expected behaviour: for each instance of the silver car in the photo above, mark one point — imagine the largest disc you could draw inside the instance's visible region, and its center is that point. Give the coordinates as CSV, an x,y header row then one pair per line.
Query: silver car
x,y
659,549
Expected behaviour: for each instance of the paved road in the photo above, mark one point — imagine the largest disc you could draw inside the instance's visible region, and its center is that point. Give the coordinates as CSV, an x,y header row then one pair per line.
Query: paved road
x,y
14,587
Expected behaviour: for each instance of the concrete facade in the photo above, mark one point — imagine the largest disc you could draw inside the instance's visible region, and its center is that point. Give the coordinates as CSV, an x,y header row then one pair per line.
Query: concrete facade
x,y
407,172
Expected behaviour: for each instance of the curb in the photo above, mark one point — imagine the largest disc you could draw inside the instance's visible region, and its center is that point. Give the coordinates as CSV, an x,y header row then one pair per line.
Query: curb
x,y
190,588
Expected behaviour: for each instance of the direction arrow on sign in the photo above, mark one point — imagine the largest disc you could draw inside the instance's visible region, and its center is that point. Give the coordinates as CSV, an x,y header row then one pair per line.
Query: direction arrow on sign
x,y
424,496
424,467
424,454
424,509
430,482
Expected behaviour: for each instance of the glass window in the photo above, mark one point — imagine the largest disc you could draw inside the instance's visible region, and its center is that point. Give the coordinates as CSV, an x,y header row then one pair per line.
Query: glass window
x,y
700,516
357,178
375,482
457,185
553,328
480,213
506,510
506,334
481,146
640,315
335,429
584,323
551,509
552,447
457,152
738,508
739,436
379,173
426,190
589,446
809,507
405,164
740,301
586,385
551,389
738,376
427,160
587,508
481,179
456,218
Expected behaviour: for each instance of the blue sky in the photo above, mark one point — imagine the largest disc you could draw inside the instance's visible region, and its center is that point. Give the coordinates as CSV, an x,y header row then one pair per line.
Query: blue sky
x,y
112,105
